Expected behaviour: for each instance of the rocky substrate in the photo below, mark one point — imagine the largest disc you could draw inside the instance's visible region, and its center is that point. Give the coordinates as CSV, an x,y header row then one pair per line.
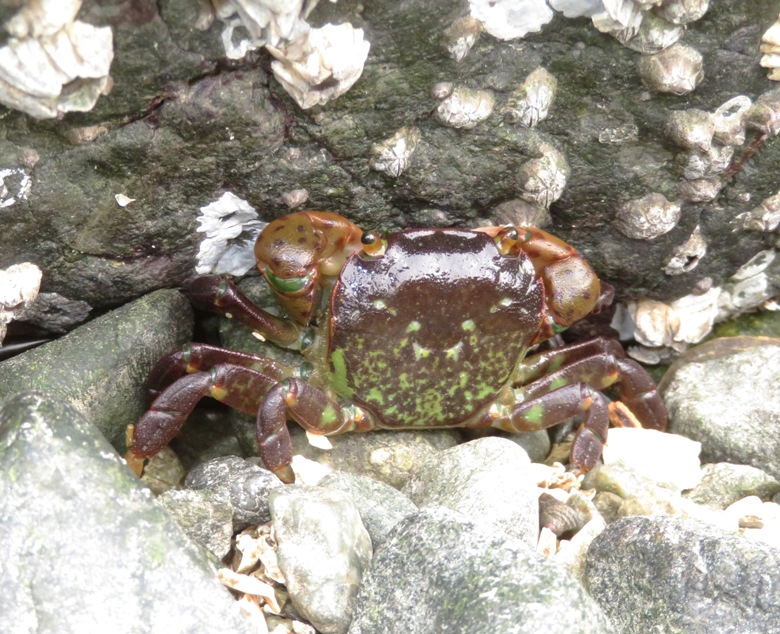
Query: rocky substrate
x,y
385,532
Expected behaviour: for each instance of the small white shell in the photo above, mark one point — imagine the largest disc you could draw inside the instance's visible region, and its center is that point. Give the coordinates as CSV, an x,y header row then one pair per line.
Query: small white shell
x,y
442,90
676,70
647,217
19,285
770,47
764,114
705,164
465,108
700,190
686,256
765,217
461,36
544,179
392,156
683,11
653,36
511,19
691,129
531,102
729,120
295,198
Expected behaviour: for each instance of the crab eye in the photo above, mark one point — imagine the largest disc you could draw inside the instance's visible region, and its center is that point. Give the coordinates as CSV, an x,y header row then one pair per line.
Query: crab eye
x,y
507,239
373,245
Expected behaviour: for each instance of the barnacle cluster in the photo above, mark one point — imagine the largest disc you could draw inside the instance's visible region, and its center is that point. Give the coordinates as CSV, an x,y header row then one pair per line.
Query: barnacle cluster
x,y
770,47
53,63
531,102
313,65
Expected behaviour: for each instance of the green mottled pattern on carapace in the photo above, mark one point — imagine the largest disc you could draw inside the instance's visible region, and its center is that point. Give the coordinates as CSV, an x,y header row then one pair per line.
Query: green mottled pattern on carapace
x,y
427,334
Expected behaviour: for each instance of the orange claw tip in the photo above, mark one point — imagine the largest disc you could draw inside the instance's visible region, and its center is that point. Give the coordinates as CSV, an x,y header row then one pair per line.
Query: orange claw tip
x,y
285,474
135,462
621,416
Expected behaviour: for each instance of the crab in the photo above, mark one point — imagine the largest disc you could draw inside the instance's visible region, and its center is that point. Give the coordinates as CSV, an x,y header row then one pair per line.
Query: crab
x,y
423,328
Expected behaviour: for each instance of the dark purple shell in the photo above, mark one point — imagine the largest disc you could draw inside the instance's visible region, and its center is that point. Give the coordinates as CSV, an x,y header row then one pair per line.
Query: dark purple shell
x,y
428,334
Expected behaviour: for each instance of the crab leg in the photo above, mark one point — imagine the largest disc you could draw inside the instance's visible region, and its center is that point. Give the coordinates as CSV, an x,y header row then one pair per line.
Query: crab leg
x,y
194,357
216,294
312,409
537,365
239,387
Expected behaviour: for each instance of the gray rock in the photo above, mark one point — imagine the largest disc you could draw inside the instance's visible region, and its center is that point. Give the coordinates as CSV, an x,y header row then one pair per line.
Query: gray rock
x,y
101,368
672,575
381,506
439,571
246,484
488,480
724,483
206,517
737,420
88,548
535,443
323,551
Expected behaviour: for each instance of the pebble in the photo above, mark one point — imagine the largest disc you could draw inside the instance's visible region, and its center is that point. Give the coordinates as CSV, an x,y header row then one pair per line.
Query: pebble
x,y
724,483
488,480
323,551
206,518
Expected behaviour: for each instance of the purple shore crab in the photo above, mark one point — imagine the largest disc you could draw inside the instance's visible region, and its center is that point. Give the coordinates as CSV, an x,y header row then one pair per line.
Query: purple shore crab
x,y
424,328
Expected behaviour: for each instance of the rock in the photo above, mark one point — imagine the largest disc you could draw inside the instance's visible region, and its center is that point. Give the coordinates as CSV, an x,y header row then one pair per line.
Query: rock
x,y
323,550
737,420
535,443
723,484
87,535
440,571
381,506
674,575
667,459
207,518
246,484
757,519
101,367
488,480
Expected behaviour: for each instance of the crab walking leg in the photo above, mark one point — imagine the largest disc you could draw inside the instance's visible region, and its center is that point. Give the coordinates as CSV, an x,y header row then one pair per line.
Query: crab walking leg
x,y
239,387
312,409
577,363
198,357
216,294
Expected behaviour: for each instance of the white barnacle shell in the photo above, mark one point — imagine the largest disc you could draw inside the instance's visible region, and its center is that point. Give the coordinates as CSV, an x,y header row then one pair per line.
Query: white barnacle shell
x,y
647,217
544,178
764,114
654,35
321,65
676,70
39,18
531,102
621,18
705,164
442,89
231,226
700,190
60,72
577,8
465,108
686,256
392,156
511,19
729,120
461,36
691,129
749,287
770,47
765,217
295,197
683,11
19,285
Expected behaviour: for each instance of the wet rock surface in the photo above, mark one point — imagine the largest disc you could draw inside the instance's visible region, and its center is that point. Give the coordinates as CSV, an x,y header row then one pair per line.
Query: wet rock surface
x,y
737,420
82,532
683,576
440,571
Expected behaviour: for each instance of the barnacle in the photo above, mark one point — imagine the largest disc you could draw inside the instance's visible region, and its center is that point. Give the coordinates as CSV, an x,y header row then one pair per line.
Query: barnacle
x,y
322,65
705,164
442,89
19,285
749,287
764,114
510,19
465,108
700,190
54,64
765,217
531,102
729,120
770,47
647,217
683,11
691,129
654,35
686,256
676,70
461,36
295,197
392,156
544,179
